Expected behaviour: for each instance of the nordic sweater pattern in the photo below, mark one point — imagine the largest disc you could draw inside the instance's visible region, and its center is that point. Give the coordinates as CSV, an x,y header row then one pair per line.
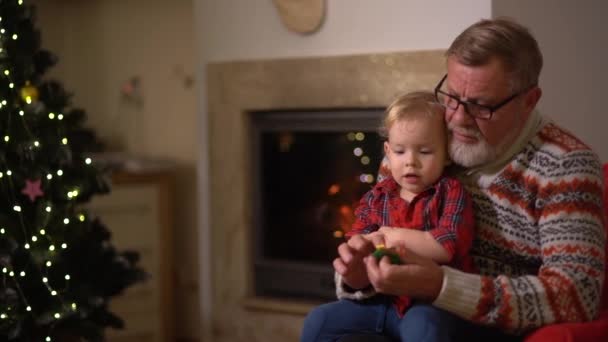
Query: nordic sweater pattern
x,y
540,238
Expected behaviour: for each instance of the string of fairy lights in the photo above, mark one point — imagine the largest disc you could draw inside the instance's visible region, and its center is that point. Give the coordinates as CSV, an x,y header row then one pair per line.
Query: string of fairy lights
x,y
36,240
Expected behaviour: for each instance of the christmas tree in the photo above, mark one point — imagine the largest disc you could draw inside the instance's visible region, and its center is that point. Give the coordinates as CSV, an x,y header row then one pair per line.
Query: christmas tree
x,y
58,269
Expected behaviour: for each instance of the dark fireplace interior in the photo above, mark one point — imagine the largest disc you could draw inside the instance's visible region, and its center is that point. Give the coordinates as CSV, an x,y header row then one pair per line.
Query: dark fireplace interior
x,y
311,168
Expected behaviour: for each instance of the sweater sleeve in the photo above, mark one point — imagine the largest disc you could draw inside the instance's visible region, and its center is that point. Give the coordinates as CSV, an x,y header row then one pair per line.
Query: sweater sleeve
x,y
567,207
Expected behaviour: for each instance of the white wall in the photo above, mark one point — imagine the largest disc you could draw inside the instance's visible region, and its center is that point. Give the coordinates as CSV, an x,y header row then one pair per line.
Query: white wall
x,y
246,29
572,37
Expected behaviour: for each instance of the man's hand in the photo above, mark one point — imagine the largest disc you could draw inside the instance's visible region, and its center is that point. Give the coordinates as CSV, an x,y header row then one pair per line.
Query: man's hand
x,y
418,277
349,263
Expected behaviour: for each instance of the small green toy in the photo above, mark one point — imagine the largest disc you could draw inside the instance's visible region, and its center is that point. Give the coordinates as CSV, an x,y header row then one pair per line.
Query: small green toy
x,y
389,252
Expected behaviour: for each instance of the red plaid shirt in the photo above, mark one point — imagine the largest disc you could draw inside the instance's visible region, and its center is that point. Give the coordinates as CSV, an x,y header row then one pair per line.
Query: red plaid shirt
x,y
445,210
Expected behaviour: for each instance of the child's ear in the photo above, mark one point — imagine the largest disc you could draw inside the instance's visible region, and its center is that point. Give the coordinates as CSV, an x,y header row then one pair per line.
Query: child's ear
x,y
386,147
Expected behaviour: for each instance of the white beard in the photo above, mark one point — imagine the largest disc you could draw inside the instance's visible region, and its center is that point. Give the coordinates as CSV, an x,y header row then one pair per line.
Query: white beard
x,y
470,155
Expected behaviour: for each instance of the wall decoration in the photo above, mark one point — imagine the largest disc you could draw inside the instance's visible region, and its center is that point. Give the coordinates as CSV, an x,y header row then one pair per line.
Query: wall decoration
x,y
301,16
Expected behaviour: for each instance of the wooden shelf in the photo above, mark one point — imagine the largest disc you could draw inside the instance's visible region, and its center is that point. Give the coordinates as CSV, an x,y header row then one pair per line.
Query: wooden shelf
x,y
139,213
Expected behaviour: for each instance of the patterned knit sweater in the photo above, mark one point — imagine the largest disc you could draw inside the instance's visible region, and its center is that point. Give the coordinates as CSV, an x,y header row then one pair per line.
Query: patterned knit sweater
x,y
540,235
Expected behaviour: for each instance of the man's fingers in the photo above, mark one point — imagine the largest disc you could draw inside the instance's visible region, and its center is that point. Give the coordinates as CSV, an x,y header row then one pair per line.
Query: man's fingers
x,y
361,245
339,266
345,252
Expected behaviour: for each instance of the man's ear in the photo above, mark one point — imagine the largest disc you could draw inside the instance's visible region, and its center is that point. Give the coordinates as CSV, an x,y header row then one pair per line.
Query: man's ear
x,y
532,98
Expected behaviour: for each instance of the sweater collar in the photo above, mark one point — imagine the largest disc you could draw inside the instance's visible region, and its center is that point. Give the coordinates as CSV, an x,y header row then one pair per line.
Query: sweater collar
x,y
484,174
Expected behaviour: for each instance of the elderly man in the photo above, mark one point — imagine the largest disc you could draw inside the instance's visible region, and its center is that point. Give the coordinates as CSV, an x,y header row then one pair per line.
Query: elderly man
x,y
537,189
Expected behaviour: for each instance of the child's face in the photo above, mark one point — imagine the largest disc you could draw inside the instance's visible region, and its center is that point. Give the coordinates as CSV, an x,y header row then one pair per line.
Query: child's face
x,y
416,152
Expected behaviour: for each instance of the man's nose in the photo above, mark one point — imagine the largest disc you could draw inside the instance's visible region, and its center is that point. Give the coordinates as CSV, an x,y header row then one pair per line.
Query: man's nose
x,y
459,116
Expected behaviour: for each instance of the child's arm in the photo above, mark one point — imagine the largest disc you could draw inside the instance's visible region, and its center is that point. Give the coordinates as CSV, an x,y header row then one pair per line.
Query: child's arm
x,y
420,242
451,238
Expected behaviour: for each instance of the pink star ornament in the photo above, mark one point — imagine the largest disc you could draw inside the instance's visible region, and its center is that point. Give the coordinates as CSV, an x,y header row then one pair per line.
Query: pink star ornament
x,y
32,189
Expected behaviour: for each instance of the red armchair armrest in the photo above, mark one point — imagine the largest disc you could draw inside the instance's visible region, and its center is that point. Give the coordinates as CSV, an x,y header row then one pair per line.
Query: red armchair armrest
x,y
573,332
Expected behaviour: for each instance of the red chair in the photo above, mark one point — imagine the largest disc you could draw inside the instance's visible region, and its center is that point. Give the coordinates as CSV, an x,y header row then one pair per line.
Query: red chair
x,y
595,331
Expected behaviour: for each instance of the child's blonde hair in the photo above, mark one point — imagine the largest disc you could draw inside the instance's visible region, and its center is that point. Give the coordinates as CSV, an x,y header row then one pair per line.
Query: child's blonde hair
x,y
414,105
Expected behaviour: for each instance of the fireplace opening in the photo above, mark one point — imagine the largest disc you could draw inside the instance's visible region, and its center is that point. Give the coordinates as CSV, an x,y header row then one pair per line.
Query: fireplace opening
x,y
310,170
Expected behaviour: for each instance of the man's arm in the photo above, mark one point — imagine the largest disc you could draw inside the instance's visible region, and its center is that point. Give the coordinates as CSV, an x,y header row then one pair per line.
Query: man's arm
x,y
571,244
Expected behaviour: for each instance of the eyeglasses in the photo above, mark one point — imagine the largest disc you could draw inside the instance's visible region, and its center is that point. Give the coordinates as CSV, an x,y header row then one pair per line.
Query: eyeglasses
x,y
475,110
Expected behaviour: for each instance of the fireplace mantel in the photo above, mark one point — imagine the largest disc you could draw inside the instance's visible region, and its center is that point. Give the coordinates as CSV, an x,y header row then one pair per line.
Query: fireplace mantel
x,y
235,90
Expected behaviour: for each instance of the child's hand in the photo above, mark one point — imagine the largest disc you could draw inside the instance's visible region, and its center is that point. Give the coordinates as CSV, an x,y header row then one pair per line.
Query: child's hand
x,y
392,236
349,262
377,238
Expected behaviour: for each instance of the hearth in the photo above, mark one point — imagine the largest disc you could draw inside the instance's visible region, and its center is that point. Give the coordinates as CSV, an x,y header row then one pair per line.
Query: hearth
x,y
310,169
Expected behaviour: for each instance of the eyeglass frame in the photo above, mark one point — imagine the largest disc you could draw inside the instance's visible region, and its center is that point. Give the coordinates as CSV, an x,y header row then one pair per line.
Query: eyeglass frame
x,y
492,109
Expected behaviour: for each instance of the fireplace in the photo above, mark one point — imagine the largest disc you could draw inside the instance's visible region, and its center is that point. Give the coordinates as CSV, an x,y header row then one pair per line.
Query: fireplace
x,y
237,92
310,169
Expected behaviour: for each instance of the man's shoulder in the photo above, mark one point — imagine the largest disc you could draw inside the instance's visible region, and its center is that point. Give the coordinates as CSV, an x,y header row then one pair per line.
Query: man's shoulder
x,y
555,152
553,136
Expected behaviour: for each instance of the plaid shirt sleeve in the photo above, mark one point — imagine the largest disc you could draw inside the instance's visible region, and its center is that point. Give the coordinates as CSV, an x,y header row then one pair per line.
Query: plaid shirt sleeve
x,y
454,230
369,213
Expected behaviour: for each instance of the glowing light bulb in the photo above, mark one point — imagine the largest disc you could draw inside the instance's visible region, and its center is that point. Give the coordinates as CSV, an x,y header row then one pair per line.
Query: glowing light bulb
x,y
6,72
360,136
64,245
17,208
81,218
66,220
42,231
48,209
29,308
57,315
26,246
2,231
49,264
22,274
60,117
21,113
3,316
37,143
73,306
7,138
59,172
49,176
64,141
11,273
11,85
51,116
34,238
45,280
365,160
51,248
9,172
15,36
67,277
88,161
54,293
358,151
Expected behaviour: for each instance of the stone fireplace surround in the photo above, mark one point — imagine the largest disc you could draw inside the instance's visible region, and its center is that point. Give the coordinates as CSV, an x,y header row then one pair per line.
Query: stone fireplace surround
x,y
235,90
